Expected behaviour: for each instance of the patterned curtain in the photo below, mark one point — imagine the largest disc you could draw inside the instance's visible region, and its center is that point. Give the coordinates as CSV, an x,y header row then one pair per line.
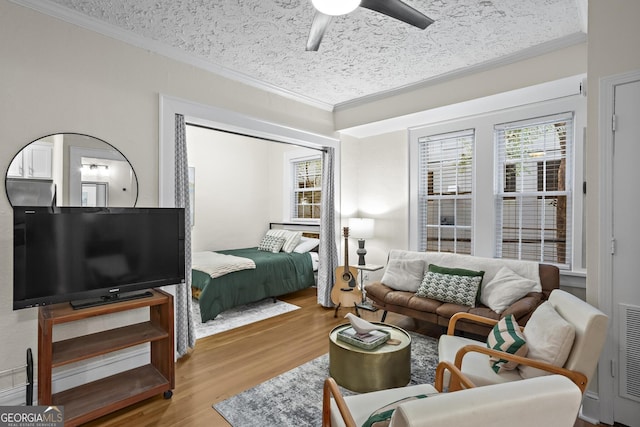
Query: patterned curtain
x,y
185,329
327,251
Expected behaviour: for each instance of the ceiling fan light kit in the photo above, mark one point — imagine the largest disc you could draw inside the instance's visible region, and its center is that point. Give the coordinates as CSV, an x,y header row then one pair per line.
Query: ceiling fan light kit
x,y
326,9
335,7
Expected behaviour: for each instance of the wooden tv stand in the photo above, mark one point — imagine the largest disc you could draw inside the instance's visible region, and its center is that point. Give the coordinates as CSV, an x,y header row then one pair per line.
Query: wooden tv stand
x,y
95,399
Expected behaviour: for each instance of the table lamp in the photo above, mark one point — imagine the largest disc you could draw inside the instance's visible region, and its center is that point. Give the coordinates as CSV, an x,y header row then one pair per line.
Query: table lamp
x,y
361,228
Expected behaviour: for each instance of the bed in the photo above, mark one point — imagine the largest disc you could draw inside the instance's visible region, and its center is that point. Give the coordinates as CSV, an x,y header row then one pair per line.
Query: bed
x,y
274,274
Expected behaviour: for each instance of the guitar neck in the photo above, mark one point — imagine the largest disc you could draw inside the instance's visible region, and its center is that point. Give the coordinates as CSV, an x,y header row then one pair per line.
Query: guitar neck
x,y
346,252
346,249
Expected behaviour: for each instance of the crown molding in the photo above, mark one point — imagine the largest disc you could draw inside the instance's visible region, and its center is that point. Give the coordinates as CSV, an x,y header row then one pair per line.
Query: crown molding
x,y
541,49
56,11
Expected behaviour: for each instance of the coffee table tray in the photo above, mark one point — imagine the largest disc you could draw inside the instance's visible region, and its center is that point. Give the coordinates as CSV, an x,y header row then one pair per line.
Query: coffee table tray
x,y
373,340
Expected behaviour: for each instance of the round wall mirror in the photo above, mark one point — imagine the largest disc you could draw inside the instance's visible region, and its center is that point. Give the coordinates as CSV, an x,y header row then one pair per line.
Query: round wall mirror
x,y
70,169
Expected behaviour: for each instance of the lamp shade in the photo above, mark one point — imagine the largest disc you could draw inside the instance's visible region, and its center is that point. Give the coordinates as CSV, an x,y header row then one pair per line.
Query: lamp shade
x,y
335,7
361,228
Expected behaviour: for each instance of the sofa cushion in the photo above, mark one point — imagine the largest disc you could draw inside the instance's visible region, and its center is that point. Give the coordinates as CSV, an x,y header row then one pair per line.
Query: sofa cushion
x,y
549,338
505,288
506,336
404,274
454,285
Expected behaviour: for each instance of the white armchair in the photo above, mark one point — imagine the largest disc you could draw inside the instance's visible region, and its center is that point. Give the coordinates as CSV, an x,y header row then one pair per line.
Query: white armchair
x,y
551,401
589,323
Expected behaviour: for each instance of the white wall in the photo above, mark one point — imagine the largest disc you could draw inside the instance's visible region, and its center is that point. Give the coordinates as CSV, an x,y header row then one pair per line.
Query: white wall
x,y
232,189
375,184
57,77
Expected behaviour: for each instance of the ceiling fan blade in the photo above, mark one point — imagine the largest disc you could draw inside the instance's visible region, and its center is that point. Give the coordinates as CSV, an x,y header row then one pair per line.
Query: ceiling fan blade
x,y
399,10
318,27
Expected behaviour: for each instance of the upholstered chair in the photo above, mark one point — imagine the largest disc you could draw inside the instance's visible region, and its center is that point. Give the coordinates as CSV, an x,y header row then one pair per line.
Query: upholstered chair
x,y
564,335
551,401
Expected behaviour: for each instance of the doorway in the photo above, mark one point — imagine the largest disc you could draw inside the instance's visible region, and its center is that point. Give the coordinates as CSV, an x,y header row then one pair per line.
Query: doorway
x,y
620,286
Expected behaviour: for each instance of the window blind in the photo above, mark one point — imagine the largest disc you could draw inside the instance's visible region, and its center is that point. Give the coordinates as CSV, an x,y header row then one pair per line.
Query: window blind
x,y
533,189
307,189
445,192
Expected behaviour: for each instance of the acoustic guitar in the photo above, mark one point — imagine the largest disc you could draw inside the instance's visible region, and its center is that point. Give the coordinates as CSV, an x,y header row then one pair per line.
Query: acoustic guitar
x,y
345,289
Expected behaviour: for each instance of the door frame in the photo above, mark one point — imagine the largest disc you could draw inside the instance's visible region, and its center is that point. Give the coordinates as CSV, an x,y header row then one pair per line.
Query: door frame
x,y
606,383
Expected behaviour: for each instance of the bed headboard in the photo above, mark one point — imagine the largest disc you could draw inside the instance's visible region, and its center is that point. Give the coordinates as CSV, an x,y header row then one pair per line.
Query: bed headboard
x,y
308,230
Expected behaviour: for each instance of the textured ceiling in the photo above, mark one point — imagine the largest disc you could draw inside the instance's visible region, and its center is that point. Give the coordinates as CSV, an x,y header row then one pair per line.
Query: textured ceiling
x,y
363,53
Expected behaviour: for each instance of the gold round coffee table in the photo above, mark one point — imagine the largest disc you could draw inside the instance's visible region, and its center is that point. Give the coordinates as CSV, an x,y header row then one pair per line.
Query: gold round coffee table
x,y
360,370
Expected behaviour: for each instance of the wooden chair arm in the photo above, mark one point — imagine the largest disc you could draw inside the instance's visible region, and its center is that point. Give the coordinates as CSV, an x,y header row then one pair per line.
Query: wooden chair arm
x,y
451,329
461,379
331,389
577,377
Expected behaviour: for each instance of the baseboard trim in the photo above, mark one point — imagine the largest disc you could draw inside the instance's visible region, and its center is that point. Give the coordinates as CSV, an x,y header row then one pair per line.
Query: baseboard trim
x,y
83,372
590,409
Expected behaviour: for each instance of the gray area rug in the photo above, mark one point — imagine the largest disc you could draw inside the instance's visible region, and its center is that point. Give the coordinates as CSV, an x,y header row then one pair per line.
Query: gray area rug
x,y
239,316
295,398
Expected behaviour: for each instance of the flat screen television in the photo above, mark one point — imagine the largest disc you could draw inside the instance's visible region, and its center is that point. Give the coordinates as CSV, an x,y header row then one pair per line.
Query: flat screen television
x,y
92,256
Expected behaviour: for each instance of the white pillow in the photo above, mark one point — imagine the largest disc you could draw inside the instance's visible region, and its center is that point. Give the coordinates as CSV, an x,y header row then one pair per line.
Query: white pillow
x,y
549,339
306,244
291,241
291,238
506,288
404,274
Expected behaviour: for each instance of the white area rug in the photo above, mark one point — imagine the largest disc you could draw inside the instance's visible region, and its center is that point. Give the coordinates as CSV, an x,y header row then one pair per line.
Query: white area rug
x,y
239,316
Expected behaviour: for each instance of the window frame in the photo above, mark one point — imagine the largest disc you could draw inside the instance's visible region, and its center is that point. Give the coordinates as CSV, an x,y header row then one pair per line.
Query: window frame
x,y
484,179
445,225
291,160
535,223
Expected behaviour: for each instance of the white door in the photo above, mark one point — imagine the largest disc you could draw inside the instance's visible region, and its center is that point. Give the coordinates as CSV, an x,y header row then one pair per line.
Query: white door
x,y
626,255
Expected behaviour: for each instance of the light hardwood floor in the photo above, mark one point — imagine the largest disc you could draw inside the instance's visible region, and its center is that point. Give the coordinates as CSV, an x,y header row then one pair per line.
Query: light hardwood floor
x,y
225,364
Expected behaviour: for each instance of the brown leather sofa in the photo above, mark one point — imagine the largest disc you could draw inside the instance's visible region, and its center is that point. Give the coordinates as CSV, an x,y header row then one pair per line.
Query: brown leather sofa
x,y
439,313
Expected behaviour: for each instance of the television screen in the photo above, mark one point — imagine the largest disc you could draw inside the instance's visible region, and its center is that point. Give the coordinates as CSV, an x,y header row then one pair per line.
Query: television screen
x,y
72,253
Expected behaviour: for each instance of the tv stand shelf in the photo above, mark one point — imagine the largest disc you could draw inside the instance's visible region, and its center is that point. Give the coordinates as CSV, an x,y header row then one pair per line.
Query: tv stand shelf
x,y
95,399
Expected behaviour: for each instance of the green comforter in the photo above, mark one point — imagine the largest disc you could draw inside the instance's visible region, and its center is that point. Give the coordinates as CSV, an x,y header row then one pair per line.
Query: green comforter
x,y
275,274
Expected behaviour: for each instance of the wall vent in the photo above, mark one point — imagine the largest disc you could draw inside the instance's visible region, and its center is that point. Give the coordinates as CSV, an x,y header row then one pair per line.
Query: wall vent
x,y
630,352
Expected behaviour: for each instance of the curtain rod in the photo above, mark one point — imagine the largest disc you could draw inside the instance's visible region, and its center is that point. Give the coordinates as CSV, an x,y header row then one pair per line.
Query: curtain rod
x,y
253,136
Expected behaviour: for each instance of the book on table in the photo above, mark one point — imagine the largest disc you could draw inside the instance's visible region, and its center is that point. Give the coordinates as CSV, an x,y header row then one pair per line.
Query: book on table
x,y
367,341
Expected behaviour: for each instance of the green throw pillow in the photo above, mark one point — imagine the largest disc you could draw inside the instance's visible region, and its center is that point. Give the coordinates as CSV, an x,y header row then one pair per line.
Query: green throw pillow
x,y
454,285
382,417
506,336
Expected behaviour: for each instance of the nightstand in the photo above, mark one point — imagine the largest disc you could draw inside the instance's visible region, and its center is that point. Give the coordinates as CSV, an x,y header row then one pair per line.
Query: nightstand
x,y
365,305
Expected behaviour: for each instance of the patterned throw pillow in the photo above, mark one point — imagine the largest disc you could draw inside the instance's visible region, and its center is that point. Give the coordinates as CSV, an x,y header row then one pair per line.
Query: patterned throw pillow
x,y
454,285
382,416
271,244
290,238
506,336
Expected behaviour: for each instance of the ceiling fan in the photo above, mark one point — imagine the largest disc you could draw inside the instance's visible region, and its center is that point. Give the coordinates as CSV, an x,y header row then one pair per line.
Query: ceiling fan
x,y
327,9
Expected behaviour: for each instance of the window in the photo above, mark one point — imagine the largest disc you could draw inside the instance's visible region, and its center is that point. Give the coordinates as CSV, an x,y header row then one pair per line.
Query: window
x,y
445,192
525,164
307,188
533,201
